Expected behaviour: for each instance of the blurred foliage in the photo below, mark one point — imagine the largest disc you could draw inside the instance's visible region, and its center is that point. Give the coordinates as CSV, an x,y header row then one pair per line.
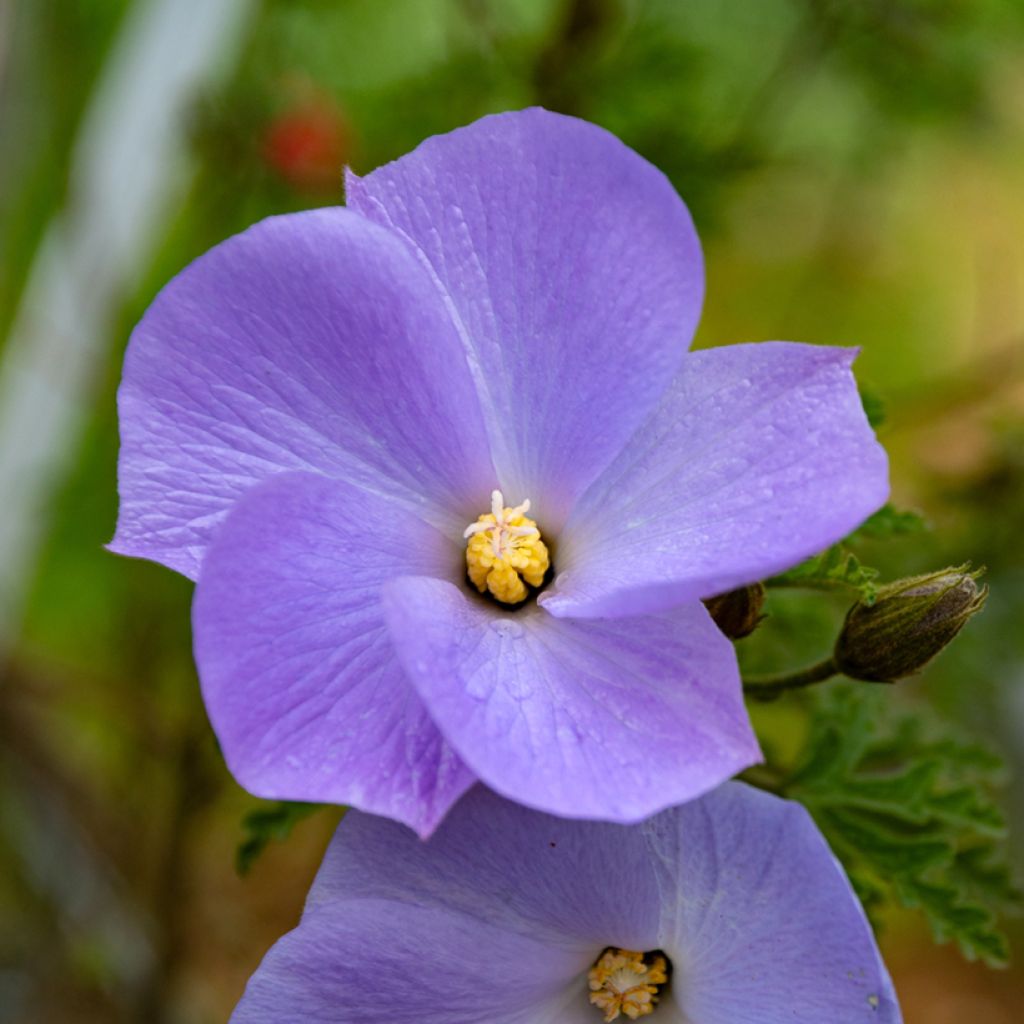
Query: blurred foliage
x,y
854,167
909,806
266,824
874,407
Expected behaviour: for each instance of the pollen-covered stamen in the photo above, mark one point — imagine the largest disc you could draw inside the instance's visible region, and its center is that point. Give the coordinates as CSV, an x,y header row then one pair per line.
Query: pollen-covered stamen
x,y
504,549
624,981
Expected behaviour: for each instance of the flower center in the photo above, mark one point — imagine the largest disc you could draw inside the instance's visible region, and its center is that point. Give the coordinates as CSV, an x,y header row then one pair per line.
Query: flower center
x,y
624,981
505,549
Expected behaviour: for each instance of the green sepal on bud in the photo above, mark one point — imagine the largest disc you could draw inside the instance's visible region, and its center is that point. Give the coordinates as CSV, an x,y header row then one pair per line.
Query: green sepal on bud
x,y
738,612
908,623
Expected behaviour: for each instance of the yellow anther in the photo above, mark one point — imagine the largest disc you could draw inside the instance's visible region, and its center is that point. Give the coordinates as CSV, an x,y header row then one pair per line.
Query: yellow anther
x,y
505,549
624,982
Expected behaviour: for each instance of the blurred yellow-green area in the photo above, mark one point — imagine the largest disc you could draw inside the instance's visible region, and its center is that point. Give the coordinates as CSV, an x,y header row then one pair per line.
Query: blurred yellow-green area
x,y
856,171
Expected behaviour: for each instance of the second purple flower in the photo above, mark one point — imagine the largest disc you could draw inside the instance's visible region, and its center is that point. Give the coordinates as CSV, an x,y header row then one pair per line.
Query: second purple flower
x,y
453,489
729,910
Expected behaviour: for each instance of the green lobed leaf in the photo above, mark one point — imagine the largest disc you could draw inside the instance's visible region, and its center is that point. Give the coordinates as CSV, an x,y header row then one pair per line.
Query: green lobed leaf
x,y
908,804
976,872
836,567
889,522
266,824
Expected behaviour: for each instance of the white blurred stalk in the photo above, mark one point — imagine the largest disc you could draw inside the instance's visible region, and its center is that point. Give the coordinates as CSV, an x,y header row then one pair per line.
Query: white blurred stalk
x,y
129,169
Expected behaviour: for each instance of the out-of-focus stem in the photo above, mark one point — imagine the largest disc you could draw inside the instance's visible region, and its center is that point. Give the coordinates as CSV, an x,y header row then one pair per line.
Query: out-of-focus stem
x,y
769,687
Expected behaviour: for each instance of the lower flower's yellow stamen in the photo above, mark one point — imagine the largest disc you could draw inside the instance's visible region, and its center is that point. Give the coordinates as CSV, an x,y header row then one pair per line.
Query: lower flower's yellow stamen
x,y
504,549
623,981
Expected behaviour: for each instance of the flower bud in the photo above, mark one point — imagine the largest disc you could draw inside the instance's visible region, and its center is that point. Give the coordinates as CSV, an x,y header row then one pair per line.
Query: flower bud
x,y
909,623
738,612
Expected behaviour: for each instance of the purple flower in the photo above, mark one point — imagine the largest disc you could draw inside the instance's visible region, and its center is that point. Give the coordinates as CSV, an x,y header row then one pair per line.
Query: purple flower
x,y
316,413
505,915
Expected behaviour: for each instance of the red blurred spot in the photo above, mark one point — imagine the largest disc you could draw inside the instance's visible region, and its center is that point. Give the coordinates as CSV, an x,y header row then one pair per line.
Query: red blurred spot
x,y
308,144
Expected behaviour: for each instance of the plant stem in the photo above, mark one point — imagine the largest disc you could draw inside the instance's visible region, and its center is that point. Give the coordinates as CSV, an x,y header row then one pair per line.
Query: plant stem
x,y
769,687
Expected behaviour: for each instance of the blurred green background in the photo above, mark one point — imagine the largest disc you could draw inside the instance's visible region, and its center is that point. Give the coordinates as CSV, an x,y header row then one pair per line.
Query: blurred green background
x,y
856,171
